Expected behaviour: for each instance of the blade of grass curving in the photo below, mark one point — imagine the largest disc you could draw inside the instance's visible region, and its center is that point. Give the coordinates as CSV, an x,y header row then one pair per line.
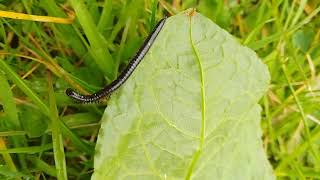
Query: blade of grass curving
x,y
122,43
12,133
106,16
23,16
265,41
4,42
81,145
6,157
153,14
43,166
28,150
270,130
84,84
261,12
92,6
289,16
299,12
282,15
256,30
98,44
57,140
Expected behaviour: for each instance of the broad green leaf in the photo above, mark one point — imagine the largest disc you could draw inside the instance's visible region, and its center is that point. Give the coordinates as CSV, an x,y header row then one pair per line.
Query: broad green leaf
x,y
189,111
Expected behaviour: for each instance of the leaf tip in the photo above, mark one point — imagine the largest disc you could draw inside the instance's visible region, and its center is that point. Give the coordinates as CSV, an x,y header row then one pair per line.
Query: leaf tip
x,y
191,12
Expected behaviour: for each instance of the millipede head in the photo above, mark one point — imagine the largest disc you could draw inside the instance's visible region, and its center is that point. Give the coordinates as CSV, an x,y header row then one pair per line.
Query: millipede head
x,y
70,92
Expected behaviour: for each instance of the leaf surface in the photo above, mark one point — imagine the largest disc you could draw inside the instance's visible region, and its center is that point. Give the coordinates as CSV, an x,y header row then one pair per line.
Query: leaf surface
x,y
189,111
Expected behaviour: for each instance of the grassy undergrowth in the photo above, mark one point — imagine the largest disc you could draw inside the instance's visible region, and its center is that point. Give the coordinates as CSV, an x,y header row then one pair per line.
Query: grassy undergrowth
x,y
38,61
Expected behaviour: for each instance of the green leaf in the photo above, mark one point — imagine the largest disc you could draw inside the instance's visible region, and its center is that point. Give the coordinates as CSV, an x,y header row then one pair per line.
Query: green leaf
x,y
189,111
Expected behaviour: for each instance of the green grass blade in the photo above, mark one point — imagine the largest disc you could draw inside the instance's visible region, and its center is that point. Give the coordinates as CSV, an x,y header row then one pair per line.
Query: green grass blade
x,y
43,166
28,150
57,140
81,145
98,44
106,16
298,13
6,157
12,133
153,14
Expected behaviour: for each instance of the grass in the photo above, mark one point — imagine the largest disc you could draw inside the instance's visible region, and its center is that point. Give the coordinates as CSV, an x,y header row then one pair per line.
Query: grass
x,y
44,135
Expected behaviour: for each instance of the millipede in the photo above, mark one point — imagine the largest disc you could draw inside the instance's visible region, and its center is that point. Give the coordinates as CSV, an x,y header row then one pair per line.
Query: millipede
x,y
125,74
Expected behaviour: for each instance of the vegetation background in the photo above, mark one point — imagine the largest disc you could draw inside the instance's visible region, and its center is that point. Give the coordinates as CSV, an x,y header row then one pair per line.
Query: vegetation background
x,y
45,135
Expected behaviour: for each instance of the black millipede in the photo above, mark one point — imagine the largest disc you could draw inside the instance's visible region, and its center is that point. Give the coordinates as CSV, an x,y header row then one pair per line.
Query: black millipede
x,y
125,74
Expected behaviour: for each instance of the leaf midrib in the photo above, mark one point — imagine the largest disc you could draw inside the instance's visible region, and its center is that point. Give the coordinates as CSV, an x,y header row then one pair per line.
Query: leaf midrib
x,y
203,107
